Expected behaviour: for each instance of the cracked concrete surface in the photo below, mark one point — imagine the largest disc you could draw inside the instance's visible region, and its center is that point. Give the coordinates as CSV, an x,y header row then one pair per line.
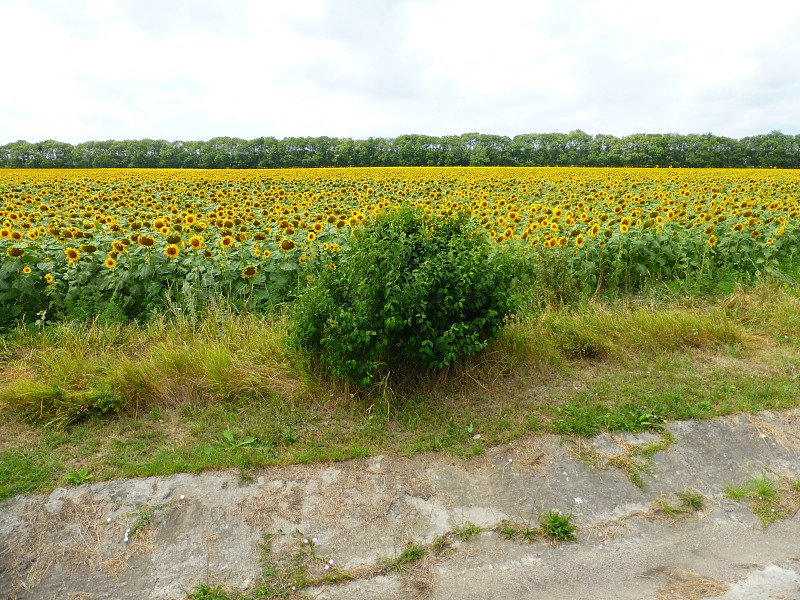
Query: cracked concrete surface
x,y
189,529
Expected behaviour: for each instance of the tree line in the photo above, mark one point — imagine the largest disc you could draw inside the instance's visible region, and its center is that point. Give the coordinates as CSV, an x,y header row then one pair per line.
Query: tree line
x,y
577,148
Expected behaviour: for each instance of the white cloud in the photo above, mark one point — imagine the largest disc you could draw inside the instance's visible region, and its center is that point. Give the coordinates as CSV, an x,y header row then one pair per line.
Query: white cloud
x,y
195,69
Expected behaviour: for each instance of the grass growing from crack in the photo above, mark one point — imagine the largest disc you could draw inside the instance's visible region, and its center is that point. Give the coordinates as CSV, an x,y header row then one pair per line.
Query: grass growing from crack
x,y
223,390
689,501
467,531
557,527
289,564
553,526
770,498
634,459
410,555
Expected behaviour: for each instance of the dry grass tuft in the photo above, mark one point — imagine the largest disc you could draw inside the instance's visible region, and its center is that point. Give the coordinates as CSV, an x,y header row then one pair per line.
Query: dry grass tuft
x,y
685,585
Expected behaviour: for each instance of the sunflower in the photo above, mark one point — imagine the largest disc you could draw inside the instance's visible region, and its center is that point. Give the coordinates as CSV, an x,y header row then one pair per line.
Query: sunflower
x,y
196,242
311,236
579,240
16,236
712,241
227,242
72,254
48,278
623,228
249,272
110,263
318,227
266,254
26,269
171,251
287,245
146,241
15,252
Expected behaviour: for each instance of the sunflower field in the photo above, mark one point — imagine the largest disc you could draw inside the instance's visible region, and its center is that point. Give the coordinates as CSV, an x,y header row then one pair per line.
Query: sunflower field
x,y
123,244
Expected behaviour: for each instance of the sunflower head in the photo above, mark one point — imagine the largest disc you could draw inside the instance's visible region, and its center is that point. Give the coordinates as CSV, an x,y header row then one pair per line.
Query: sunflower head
x,y
15,252
171,251
26,269
48,278
287,245
110,263
72,254
249,272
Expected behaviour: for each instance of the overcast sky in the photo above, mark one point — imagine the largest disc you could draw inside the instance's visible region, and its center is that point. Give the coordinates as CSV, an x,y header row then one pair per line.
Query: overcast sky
x,y
79,70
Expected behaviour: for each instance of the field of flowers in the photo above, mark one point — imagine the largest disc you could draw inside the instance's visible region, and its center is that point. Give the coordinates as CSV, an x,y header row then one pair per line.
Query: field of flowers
x,y
121,243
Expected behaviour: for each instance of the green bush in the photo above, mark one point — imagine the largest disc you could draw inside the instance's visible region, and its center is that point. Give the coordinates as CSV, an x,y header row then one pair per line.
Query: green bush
x,y
412,291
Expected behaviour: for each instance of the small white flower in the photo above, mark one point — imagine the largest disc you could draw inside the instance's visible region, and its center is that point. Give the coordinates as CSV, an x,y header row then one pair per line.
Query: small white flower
x,y
305,540
314,540
108,520
510,460
327,567
330,562
182,496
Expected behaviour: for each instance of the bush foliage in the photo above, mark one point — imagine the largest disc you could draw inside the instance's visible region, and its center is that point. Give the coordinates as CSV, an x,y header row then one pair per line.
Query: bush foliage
x,y
415,291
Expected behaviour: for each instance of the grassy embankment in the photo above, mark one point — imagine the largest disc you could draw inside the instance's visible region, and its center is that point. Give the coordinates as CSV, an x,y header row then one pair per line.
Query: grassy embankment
x,y
88,402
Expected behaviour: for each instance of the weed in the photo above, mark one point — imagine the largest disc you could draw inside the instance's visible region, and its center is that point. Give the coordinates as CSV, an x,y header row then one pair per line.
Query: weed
x,y
670,511
530,534
440,545
205,592
736,491
78,477
411,554
770,498
763,488
557,527
691,500
245,478
467,531
509,531
231,443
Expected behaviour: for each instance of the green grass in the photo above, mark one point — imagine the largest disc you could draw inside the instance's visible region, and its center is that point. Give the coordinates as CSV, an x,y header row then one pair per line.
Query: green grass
x,y
225,391
557,527
770,498
410,555
467,531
